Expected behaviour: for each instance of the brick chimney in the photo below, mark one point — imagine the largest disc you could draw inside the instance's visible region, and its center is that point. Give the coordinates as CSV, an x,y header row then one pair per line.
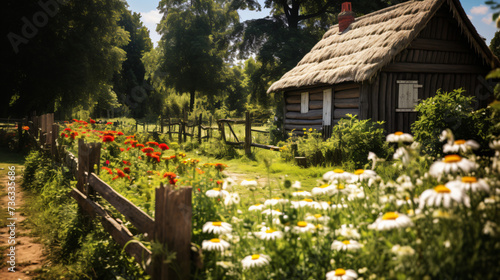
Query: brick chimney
x,y
346,16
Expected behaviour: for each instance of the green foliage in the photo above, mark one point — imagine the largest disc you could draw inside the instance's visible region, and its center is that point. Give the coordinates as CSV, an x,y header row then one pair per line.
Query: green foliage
x,y
195,43
66,62
451,110
349,144
495,44
37,170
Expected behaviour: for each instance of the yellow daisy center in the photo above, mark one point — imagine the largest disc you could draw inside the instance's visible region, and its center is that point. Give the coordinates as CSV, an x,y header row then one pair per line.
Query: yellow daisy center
x,y
338,170
216,189
324,186
217,224
460,142
319,226
359,172
256,256
341,187
398,133
452,158
308,200
317,216
300,191
270,230
258,204
468,179
339,272
346,242
276,198
390,216
215,240
441,189
302,224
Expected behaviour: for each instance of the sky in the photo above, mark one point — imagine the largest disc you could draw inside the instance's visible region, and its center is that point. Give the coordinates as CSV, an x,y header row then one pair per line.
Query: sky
x,y
479,13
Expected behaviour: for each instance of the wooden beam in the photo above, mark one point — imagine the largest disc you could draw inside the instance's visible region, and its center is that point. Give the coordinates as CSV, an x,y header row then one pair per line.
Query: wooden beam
x,y
313,105
349,93
433,68
439,45
142,221
119,232
306,122
269,147
340,113
311,115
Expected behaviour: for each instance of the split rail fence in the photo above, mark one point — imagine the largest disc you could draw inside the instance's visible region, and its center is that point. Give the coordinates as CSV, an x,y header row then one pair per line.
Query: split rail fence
x,y
171,226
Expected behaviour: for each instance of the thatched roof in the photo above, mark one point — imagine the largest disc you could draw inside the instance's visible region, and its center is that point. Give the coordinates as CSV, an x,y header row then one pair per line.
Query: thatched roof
x,y
371,42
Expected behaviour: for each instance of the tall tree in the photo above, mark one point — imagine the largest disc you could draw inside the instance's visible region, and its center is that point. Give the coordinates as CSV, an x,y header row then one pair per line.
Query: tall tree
x,y
57,56
283,38
195,43
130,79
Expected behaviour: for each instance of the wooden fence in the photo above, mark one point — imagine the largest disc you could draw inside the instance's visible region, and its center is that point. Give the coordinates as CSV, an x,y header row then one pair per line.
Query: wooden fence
x,y
171,226
247,143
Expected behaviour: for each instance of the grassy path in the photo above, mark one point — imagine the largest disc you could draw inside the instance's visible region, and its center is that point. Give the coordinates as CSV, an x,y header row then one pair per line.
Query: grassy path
x,y
28,252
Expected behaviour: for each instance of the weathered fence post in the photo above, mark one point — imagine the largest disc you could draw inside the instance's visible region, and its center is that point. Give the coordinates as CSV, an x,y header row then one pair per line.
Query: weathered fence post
x,y
199,128
248,134
161,123
53,147
173,212
184,121
83,164
179,136
209,131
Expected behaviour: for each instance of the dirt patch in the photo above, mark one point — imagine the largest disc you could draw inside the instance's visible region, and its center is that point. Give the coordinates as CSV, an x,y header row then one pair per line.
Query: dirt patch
x,y
28,253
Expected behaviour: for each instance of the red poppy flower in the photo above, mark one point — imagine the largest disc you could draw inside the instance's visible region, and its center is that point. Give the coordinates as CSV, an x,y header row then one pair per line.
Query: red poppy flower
x,y
64,135
107,169
169,175
139,145
74,134
126,162
173,181
67,129
157,158
147,150
120,133
92,121
151,143
122,149
108,138
163,146
128,148
126,170
120,173
108,123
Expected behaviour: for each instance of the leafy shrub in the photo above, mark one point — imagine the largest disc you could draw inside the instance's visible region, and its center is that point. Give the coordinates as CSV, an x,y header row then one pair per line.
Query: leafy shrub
x,y
349,144
37,170
449,110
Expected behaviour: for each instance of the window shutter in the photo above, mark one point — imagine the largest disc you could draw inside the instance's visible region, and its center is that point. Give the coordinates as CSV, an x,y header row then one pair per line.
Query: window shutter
x,y
304,102
408,96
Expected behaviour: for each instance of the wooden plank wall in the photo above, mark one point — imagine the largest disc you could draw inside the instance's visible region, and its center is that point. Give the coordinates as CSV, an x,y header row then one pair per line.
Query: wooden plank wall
x,y
345,101
439,58
382,95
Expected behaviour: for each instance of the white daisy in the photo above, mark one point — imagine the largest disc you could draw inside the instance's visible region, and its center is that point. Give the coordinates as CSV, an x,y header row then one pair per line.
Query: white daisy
x,y
214,244
357,193
443,196
306,202
228,184
256,260
256,207
348,231
346,245
267,234
399,136
318,218
296,185
341,274
301,193
403,155
495,144
336,174
363,175
231,198
275,200
402,250
216,192
247,183
451,164
391,220
460,146
303,227
468,183
217,227
325,189
273,212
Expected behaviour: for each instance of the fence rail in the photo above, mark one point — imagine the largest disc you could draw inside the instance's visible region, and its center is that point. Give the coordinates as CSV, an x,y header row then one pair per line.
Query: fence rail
x,y
173,207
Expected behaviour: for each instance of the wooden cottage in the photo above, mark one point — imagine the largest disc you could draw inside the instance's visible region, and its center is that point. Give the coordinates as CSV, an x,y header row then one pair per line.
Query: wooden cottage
x,y
383,63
